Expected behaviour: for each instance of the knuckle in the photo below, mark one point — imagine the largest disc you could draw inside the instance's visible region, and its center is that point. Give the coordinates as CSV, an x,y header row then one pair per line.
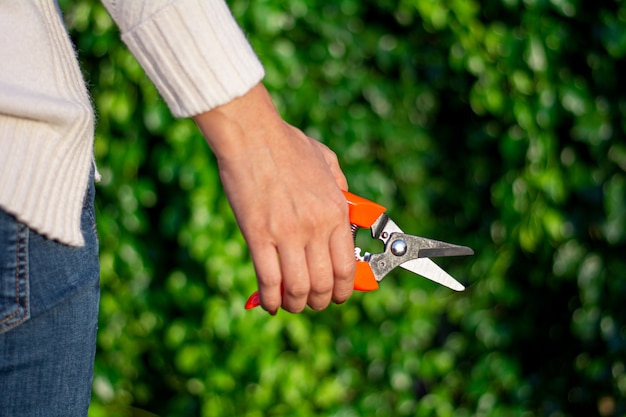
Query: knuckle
x,y
329,216
321,287
319,305
290,229
297,308
338,204
328,153
346,270
297,291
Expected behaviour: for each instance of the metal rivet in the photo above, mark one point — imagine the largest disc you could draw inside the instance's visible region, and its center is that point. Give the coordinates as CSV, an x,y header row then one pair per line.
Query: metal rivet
x,y
399,247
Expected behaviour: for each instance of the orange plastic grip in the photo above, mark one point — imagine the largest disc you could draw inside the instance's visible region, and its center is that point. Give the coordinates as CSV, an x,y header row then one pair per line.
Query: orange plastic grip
x,y
363,212
364,279
253,301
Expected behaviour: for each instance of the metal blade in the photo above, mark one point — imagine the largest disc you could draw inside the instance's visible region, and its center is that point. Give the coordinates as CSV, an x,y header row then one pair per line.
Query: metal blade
x,y
430,248
452,250
384,228
430,270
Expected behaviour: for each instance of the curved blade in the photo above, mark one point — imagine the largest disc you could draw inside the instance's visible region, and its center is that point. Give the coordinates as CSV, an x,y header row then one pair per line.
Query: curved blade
x,y
428,269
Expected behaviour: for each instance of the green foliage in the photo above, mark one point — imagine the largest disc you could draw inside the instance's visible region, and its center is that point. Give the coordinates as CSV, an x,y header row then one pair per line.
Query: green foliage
x,y
495,124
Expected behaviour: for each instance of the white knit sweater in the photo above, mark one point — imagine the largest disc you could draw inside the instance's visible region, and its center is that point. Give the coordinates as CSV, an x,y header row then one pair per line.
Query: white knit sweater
x,y
192,50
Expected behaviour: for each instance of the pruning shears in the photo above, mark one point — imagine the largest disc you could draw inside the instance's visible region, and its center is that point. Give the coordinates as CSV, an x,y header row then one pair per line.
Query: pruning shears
x,y
410,252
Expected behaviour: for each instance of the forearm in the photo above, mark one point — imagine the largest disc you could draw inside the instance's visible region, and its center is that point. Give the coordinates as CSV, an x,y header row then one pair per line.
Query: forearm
x,y
245,123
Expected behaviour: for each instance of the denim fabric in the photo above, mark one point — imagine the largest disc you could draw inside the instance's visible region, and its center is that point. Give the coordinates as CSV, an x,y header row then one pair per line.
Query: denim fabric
x,y
49,294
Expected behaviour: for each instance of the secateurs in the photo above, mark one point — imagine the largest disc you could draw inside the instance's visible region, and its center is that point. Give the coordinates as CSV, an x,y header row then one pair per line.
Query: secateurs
x,y
410,252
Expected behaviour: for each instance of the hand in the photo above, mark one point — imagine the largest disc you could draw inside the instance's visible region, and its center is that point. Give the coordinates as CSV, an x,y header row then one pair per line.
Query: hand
x,y
285,191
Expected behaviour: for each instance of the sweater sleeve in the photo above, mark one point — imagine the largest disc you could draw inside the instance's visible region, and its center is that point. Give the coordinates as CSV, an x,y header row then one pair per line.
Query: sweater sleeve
x,y
192,50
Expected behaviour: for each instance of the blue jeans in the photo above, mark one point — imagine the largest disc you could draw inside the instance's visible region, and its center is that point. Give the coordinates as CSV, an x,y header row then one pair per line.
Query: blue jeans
x,y
49,294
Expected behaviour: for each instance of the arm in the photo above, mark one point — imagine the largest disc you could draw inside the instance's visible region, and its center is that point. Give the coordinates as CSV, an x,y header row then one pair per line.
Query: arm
x,y
284,187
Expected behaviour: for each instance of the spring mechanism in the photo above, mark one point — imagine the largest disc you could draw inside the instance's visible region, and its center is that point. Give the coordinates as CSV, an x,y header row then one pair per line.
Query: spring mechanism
x,y
354,228
357,251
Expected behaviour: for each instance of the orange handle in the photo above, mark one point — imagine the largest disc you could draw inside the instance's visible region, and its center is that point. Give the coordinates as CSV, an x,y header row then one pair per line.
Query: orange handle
x,y
364,279
362,213
253,301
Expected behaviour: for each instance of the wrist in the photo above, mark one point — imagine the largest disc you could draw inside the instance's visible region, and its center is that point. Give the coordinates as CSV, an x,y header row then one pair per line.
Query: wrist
x,y
240,125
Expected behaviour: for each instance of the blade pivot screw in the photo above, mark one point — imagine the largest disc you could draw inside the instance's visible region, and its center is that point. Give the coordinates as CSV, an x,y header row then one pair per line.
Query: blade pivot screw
x,y
398,247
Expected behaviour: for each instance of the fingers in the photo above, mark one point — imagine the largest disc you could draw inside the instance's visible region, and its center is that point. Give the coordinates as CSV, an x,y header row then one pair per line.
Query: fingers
x,y
295,275
321,275
296,280
266,264
306,275
343,264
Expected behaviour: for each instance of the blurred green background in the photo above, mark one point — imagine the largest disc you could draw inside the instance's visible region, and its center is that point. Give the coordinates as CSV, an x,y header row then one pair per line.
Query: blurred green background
x,y
496,124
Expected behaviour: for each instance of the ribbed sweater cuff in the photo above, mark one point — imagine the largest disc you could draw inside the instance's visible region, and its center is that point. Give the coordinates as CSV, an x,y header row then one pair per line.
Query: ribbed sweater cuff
x,y
196,55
